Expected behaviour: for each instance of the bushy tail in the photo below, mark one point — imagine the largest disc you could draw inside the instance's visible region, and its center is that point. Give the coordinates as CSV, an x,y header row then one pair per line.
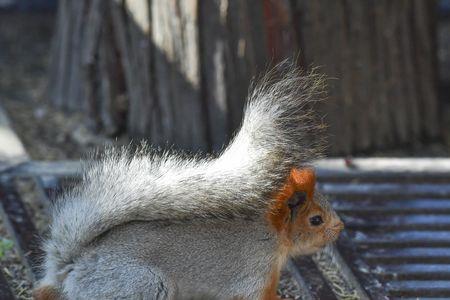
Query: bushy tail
x,y
278,132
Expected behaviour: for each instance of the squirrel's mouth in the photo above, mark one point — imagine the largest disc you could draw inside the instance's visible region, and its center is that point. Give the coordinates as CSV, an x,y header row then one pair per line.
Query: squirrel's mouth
x,y
332,234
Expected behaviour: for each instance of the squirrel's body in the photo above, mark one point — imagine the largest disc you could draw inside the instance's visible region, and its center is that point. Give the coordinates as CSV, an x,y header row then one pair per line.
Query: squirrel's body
x,y
170,260
147,226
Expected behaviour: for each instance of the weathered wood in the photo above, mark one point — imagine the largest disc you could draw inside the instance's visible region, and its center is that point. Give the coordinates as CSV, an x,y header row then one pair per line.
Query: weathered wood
x,y
175,36
377,55
182,69
75,97
216,75
63,67
280,31
141,106
424,30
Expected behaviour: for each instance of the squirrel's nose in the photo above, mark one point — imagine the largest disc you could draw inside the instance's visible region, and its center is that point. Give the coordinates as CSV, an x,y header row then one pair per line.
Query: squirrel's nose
x,y
338,226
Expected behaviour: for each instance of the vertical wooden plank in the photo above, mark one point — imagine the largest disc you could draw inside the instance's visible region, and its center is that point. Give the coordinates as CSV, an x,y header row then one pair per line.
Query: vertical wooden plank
x,y
187,67
74,97
55,51
175,36
110,79
361,73
398,104
140,116
131,38
313,24
373,72
425,62
384,135
89,59
215,62
160,35
62,69
247,50
407,62
281,38
371,52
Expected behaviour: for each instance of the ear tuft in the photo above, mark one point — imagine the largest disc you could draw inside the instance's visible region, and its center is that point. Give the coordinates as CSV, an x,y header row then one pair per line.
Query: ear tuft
x,y
304,180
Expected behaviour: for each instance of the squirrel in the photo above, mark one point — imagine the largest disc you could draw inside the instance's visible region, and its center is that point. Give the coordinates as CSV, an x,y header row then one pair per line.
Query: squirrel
x,y
145,225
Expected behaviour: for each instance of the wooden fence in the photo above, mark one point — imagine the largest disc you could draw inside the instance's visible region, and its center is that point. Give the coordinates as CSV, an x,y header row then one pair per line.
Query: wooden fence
x,y
177,72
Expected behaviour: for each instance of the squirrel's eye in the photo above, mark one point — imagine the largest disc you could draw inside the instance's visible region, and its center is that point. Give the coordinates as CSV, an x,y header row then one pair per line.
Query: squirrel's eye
x,y
316,220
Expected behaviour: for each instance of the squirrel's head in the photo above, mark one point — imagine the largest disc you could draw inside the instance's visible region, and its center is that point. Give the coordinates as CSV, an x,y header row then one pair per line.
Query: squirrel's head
x,y
303,218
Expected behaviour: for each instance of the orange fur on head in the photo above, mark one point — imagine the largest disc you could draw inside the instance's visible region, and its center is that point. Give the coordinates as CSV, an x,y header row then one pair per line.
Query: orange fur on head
x,y
303,225
299,180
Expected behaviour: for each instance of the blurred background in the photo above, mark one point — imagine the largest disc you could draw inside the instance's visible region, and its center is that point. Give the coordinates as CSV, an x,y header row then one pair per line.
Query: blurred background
x,y
77,74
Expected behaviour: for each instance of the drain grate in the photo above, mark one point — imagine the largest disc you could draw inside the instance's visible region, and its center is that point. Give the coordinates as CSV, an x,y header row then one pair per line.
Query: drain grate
x,y
396,243
398,223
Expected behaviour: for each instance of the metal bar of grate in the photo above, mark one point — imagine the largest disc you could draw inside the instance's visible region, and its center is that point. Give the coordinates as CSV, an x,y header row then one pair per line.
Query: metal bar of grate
x,y
360,269
404,189
313,278
20,226
407,255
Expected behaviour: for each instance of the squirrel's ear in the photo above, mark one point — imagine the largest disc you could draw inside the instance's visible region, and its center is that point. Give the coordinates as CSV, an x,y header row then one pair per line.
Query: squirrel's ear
x,y
295,202
298,189
304,180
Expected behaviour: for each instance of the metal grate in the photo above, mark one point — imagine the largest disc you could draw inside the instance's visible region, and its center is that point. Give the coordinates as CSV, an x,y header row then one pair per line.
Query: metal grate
x,y
396,243
398,223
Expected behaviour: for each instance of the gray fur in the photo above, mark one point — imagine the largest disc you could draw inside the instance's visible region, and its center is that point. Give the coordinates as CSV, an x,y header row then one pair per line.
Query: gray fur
x,y
278,132
129,260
